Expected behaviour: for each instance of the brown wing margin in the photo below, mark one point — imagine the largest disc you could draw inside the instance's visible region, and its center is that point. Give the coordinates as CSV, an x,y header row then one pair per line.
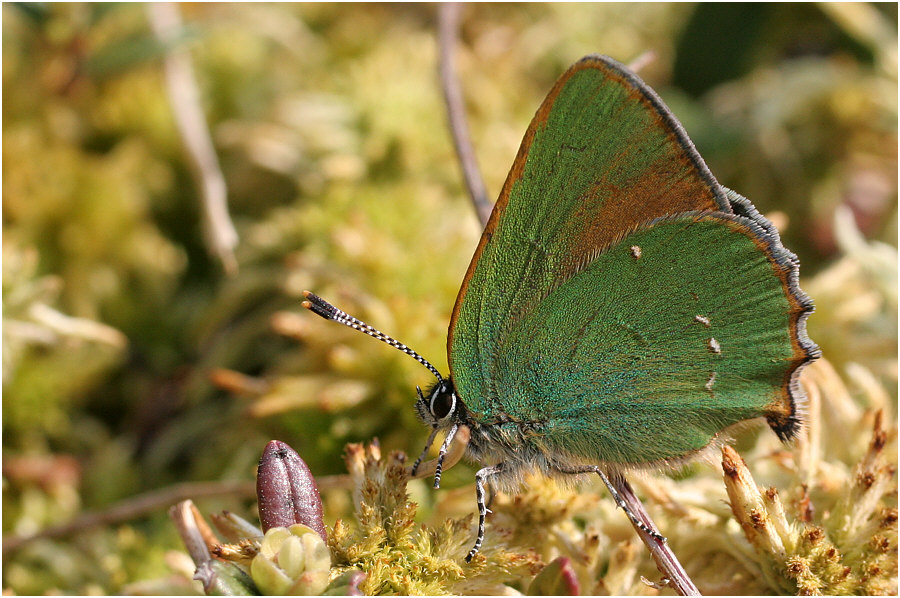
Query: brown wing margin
x,y
785,414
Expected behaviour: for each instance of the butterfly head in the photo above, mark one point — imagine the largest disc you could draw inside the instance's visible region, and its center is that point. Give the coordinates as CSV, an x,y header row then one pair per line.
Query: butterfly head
x,y
439,406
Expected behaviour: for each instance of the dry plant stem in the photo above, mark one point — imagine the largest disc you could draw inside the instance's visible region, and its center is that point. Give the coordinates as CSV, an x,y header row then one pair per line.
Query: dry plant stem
x,y
448,26
195,538
666,561
184,97
448,20
143,504
135,507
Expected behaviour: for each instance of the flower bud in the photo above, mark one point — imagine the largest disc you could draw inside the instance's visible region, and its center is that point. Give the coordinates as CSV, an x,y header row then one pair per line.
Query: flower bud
x,y
286,490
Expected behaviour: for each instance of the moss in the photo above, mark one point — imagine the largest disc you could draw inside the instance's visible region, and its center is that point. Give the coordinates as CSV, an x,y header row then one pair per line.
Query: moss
x,y
400,556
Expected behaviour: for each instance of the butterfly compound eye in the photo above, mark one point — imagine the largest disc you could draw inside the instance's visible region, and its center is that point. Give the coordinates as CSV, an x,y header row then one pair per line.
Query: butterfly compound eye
x,y
443,401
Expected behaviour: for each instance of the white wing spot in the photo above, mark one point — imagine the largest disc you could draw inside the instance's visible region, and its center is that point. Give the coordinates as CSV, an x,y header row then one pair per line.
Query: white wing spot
x,y
702,319
714,346
710,382
636,252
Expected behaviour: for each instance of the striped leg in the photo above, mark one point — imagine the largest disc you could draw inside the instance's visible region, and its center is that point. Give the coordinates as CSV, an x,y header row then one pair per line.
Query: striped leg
x,y
441,453
428,444
480,477
615,494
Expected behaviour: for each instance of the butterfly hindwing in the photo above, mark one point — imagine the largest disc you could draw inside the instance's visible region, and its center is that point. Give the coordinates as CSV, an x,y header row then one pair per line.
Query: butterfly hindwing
x,y
676,332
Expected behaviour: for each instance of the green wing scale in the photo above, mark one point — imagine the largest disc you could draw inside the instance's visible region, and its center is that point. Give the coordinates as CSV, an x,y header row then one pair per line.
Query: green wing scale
x,y
621,304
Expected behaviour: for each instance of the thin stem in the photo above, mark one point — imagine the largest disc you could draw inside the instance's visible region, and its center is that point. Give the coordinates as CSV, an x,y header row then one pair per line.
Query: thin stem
x,y
135,507
448,28
150,502
184,97
666,561
193,531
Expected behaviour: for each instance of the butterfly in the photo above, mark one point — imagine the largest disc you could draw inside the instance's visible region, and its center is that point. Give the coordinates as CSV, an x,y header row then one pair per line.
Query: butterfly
x,y
622,309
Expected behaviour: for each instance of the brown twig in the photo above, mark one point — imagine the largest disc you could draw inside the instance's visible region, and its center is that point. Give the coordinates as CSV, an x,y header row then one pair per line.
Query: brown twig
x,y
448,26
194,531
134,507
666,561
143,504
185,100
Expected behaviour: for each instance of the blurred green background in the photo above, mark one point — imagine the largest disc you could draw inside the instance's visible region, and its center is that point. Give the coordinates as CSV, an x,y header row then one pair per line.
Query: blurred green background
x,y
124,341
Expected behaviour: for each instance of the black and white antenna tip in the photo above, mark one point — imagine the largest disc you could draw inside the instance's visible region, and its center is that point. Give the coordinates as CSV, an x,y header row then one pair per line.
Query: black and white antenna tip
x,y
322,308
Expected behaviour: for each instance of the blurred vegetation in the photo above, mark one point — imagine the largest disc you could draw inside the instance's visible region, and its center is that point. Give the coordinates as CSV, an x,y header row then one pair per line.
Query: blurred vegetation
x,y
330,129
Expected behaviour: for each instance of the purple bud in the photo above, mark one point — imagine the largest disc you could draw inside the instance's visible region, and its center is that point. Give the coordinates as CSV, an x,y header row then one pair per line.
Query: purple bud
x,y
286,490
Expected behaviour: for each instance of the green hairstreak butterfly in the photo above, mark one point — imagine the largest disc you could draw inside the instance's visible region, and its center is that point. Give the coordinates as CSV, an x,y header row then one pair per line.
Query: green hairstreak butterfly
x,y
622,308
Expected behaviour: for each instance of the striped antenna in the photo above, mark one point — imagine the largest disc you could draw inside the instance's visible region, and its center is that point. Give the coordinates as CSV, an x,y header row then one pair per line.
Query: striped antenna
x,y
320,307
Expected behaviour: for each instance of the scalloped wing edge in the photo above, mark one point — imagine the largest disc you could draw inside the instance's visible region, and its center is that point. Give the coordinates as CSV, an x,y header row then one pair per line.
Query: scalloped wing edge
x,y
788,422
